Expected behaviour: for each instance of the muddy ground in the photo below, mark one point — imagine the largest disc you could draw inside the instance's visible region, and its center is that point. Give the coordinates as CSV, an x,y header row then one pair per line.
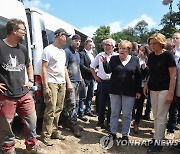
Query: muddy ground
x,y
89,143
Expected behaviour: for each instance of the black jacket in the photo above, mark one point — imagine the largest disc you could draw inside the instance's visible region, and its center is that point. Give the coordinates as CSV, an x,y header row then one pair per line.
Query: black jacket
x,y
125,80
85,62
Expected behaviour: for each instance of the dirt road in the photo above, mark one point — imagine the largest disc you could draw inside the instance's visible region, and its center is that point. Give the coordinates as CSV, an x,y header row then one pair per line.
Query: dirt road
x,y
89,143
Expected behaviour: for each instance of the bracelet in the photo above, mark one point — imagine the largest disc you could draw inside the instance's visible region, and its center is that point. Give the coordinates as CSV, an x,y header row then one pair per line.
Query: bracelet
x,y
31,80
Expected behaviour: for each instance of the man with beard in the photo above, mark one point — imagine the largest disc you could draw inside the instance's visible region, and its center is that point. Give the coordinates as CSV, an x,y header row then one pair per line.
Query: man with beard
x,y
14,92
73,82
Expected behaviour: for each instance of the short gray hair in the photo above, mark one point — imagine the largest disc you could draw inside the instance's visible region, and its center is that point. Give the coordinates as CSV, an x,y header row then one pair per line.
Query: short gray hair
x,y
110,40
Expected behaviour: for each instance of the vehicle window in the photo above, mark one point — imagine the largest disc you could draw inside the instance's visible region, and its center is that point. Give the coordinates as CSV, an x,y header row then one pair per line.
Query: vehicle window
x,y
3,33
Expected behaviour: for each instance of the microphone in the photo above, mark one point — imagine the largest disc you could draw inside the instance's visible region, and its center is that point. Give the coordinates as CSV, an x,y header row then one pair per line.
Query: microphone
x,y
166,2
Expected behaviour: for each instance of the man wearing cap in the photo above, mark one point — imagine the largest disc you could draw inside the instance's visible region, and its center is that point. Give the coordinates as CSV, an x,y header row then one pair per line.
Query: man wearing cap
x,y
69,115
54,86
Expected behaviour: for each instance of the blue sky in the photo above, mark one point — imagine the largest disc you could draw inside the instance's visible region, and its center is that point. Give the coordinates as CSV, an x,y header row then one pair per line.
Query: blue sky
x,y
88,15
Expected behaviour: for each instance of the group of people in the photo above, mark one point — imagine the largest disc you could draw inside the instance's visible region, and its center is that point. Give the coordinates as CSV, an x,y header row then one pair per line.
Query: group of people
x,y
125,78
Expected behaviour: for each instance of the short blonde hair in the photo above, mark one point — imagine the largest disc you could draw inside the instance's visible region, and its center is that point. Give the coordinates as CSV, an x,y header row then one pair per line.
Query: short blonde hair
x,y
127,43
159,38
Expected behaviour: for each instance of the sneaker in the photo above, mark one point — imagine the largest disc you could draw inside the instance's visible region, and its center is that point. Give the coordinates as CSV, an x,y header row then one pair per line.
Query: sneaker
x,y
113,136
57,135
169,136
34,150
47,141
83,118
153,149
10,151
124,140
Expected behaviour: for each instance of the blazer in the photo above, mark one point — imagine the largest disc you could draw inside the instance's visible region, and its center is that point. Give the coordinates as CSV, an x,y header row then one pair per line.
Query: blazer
x,y
85,62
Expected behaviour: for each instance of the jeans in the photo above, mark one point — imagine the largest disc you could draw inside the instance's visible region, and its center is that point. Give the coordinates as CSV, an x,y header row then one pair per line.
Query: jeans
x,y
25,108
103,101
85,97
124,104
173,114
71,105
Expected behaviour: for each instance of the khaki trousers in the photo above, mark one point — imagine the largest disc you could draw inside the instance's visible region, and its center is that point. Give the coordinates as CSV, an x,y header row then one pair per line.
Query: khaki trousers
x,y
54,100
160,111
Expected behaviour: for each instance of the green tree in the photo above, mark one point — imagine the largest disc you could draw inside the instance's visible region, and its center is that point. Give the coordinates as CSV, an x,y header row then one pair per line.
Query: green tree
x,y
170,23
126,34
141,30
103,32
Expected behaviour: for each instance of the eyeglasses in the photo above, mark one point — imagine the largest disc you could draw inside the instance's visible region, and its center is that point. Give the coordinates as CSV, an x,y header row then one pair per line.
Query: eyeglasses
x,y
107,45
24,30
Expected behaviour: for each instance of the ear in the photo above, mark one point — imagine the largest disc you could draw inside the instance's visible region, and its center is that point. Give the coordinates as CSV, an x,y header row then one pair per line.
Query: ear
x,y
14,31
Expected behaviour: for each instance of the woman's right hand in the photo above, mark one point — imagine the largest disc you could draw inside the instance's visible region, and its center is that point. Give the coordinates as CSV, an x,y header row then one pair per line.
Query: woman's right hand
x,y
2,87
103,58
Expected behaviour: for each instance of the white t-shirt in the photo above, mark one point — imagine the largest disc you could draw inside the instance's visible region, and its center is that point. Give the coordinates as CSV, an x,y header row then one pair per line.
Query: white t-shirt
x,y
97,62
56,59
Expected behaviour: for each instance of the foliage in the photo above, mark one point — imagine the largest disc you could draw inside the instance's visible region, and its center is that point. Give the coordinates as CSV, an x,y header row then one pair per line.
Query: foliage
x,y
140,32
103,32
170,23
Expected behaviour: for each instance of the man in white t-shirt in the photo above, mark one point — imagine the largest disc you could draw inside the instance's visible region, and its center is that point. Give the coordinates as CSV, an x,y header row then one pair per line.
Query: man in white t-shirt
x,y
54,83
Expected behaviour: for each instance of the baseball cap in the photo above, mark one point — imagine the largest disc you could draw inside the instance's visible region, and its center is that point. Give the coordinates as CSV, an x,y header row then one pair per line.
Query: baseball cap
x,y
76,36
61,31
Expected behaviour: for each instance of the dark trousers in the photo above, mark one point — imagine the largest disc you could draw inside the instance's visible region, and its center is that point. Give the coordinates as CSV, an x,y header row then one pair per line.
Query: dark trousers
x,y
148,106
103,102
85,97
173,114
138,107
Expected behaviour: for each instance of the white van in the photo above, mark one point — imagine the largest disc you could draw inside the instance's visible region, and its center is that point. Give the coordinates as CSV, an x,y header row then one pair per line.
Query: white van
x,y
13,9
42,26
40,33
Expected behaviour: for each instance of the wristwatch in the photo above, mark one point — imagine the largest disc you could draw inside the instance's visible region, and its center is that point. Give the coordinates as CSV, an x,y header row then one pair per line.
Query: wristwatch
x,y
31,80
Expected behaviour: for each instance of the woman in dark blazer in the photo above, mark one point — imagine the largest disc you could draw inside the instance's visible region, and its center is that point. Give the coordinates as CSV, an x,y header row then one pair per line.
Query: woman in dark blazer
x,y
125,87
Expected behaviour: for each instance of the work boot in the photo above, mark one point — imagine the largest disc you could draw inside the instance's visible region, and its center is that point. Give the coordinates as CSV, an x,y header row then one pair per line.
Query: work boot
x,y
83,118
57,135
34,150
46,140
